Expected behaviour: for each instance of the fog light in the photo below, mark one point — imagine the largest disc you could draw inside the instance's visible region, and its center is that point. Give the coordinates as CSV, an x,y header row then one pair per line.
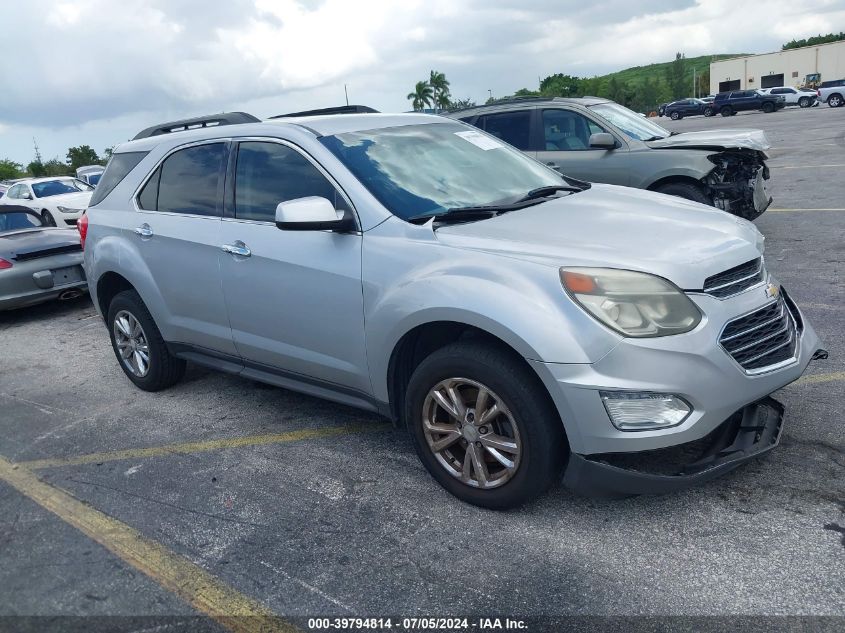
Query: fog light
x,y
631,411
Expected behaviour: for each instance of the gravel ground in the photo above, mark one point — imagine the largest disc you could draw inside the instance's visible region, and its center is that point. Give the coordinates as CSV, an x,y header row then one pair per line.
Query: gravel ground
x,y
352,524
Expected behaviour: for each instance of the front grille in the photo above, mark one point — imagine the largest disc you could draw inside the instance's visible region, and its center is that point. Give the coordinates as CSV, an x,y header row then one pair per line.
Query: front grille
x,y
763,338
47,252
735,280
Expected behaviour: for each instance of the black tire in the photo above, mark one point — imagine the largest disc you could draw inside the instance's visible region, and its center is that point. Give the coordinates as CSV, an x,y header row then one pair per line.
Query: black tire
x,y
165,370
726,111
47,218
768,107
804,102
708,112
542,439
685,190
675,116
835,100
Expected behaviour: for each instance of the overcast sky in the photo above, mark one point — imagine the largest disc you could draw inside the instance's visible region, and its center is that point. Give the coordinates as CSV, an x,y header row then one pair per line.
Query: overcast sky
x,y
98,71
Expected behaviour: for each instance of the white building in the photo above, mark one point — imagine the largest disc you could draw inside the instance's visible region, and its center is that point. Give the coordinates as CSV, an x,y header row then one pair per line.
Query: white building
x,y
784,68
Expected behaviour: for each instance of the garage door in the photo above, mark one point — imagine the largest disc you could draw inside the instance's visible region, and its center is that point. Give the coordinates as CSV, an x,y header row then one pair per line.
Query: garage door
x,y
771,81
726,86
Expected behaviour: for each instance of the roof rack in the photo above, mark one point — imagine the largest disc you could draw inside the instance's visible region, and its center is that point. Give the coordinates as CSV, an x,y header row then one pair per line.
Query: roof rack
x,y
345,109
212,120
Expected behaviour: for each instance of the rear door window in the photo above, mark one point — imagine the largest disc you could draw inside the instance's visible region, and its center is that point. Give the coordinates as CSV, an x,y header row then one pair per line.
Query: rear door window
x,y
189,181
511,127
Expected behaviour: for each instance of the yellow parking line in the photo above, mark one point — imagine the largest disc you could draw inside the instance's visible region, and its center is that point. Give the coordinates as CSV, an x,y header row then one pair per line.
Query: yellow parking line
x,y
202,447
206,593
814,378
788,210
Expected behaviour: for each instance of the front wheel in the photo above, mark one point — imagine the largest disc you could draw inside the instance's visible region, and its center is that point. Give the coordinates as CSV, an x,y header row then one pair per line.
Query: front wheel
x,y
685,190
139,346
803,102
47,218
675,116
484,426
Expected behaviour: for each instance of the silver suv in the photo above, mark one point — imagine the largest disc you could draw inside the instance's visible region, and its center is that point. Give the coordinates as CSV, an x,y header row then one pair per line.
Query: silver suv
x,y
601,141
520,324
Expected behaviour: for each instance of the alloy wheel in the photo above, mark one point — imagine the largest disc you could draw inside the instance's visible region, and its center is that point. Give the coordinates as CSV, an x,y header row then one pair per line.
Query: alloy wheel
x,y
131,343
471,432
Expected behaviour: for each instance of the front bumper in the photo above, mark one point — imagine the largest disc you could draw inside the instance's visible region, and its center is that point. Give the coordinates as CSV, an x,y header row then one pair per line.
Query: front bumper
x,y
692,366
748,433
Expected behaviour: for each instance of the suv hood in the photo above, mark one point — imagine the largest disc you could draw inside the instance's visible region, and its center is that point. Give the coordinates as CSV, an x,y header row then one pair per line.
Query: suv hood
x,y
715,139
617,227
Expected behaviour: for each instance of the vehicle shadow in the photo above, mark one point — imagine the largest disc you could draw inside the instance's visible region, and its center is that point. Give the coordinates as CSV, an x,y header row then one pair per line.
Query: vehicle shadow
x,y
49,310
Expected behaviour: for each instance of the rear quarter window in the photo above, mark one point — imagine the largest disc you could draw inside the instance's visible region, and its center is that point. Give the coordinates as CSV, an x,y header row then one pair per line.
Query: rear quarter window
x,y
117,169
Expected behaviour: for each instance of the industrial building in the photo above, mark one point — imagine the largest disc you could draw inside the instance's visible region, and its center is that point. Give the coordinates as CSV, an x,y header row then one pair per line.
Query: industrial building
x,y
793,67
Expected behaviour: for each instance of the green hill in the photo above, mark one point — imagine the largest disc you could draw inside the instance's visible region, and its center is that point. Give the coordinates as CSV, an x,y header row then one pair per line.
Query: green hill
x,y
638,74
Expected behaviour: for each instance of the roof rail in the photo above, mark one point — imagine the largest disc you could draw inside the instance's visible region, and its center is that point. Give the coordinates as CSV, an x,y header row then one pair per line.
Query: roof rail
x,y
224,118
345,109
512,100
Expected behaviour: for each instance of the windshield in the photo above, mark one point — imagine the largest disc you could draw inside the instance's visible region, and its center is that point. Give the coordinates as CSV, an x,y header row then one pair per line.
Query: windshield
x,y
94,179
17,220
58,187
629,122
417,170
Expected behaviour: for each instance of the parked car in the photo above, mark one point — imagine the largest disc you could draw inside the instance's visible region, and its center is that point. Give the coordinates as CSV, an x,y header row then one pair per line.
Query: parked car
x,y
515,321
601,141
661,109
729,103
801,97
688,107
834,96
90,174
3,189
37,263
60,201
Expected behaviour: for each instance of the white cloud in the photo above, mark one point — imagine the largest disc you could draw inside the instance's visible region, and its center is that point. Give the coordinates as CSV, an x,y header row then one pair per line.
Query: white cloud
x,y
96,71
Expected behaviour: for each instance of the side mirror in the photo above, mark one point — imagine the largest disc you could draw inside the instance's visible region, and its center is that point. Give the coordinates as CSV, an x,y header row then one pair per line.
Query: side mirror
x,y
603,140
26,195
313,214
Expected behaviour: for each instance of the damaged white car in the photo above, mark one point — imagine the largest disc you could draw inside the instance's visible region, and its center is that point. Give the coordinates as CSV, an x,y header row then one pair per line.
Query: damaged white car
x,y
598,140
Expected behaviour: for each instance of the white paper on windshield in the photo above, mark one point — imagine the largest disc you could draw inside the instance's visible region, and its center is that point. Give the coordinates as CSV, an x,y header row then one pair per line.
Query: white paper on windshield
x,y
480,140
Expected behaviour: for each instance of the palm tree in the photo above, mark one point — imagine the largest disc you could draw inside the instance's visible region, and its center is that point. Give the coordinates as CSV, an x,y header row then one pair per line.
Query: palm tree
x,y
439,84
422,95
443,101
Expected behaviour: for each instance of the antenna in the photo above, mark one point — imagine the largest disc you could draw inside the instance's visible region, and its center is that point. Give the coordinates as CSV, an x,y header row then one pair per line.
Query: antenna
x,y
346,93
37,151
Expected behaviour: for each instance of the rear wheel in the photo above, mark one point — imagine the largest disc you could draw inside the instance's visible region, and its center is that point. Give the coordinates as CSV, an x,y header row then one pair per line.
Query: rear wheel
x,y
726,111
47,218
834,100
708,112
768,106
685,190
139,346
484,426
804,102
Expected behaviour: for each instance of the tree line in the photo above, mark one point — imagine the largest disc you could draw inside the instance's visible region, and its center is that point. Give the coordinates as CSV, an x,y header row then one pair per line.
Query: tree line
x,y
816,39
78,156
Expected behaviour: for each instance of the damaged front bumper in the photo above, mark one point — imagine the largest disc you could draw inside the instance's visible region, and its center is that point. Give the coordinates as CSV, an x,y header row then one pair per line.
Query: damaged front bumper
x,y
750,432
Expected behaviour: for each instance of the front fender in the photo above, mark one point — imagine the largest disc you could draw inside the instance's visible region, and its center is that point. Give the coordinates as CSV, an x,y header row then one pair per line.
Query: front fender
x,y
519,302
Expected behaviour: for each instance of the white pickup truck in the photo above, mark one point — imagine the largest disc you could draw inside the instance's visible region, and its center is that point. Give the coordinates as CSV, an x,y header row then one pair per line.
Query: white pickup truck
x,y
834,96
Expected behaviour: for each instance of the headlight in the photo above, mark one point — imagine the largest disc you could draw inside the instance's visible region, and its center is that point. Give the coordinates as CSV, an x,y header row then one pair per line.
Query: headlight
x,y
69,210
634,304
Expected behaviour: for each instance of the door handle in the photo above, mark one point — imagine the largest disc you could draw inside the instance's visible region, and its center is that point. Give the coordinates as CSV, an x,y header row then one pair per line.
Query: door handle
x,y
238,248
144,230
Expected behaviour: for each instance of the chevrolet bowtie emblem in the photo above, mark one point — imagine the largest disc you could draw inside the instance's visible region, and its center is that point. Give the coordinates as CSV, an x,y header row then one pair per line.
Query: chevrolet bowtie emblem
x,y
772,291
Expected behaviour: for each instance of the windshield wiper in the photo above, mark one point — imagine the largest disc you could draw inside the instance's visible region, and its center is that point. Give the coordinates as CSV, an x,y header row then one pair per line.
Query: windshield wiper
x,y
542,192
468,214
